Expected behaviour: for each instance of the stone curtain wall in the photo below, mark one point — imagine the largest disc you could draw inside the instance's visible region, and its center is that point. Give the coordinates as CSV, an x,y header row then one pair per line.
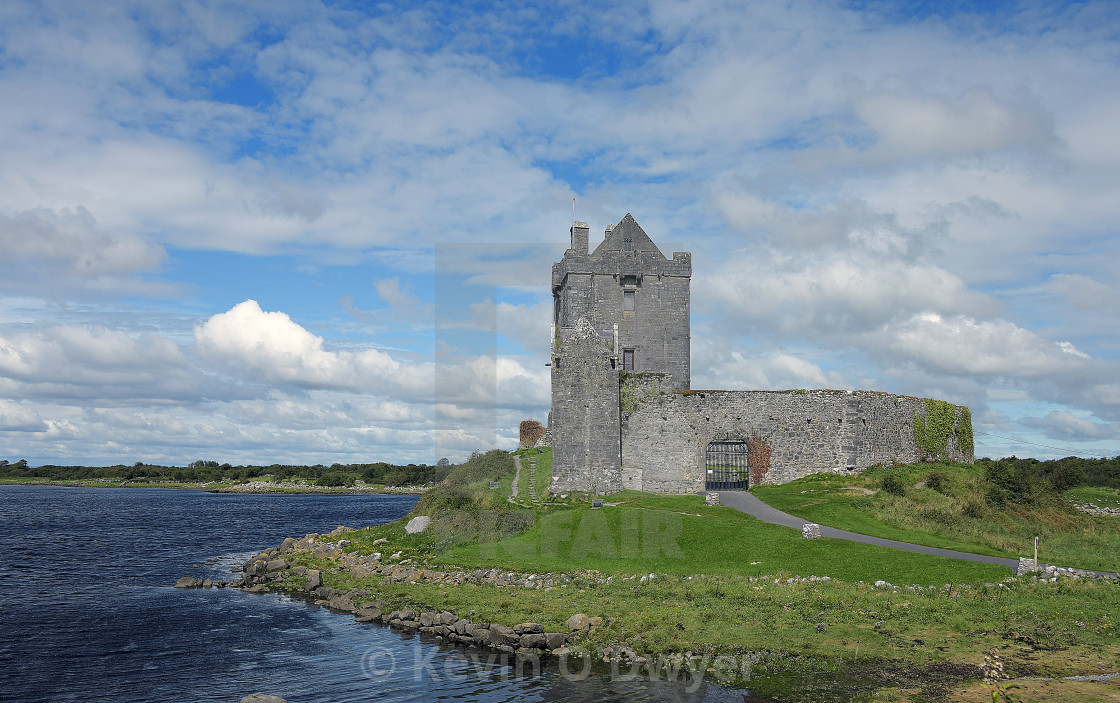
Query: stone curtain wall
x,y
665,433
585,415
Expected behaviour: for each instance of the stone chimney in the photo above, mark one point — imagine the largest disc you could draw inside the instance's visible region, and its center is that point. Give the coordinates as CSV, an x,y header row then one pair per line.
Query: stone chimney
x,y
579,237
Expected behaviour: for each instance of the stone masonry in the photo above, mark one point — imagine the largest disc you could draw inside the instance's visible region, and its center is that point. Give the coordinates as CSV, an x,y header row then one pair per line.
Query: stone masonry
x,y
586,451
623,415
627,285
665,432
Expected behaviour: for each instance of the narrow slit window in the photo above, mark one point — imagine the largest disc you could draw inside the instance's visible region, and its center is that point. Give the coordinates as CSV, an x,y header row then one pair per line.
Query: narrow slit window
x,y
628,301
627,359
627,245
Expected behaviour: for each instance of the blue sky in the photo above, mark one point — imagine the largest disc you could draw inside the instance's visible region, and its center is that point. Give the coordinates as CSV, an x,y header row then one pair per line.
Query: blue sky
x,y
316,232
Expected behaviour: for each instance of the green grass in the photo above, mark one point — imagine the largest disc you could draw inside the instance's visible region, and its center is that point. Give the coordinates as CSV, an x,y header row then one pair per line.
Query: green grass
x,y
663,534
727,583
721,614
544,473
954,517
650,534
1095,497
540,481
709,598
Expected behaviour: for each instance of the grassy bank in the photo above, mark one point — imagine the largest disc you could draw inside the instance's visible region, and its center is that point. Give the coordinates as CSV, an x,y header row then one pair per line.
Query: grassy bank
x,y
726,584
948,506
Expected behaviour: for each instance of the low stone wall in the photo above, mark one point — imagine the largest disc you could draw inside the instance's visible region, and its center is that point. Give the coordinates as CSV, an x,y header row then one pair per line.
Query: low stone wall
x,y
665,433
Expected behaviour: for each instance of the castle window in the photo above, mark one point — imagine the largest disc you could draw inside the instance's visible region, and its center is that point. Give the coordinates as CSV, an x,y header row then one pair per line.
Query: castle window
x,y
627,359
631,281
627,245
628,301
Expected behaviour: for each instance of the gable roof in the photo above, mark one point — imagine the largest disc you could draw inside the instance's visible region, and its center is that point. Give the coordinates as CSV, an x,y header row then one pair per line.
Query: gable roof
x,y
628,228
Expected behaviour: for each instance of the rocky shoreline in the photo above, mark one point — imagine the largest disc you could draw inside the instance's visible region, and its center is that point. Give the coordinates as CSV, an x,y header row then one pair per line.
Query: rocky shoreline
x,y
276,569
273,570
289,487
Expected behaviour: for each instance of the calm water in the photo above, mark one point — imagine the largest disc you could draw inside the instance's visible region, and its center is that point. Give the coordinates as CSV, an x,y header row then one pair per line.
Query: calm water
x,y
87,611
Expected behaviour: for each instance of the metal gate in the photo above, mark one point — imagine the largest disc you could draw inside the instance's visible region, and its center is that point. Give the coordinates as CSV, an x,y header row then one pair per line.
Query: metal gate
x,y
726,463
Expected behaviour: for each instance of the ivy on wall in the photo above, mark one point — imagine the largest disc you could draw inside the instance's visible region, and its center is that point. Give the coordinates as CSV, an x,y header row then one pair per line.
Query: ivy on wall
x,y
963,432
931,431
627,399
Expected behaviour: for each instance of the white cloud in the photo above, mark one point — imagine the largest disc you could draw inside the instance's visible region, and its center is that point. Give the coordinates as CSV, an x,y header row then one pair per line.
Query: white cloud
x,y
873,198
271,347
97,363
1064,425
909,125
14,417
809,296
1087,294
717,368
960,345
53,253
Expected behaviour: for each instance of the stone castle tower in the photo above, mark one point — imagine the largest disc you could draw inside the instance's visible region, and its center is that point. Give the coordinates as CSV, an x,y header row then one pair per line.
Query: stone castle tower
x,y
624,416
622,307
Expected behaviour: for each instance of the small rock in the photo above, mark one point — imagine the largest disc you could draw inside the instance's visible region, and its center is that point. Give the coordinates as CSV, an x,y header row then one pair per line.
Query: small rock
x,y
262,698
555,640
577,622
188,582
417,524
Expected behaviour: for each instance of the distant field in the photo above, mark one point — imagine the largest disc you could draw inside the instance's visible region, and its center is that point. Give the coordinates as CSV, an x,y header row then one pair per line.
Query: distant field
x,y
1095,497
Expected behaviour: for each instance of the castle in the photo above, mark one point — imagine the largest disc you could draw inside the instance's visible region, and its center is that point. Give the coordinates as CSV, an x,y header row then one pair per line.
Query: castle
x,y
624,415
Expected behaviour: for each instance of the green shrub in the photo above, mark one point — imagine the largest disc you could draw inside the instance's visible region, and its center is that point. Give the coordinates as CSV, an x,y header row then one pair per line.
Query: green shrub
x,y
973,509
936,481
892,483
467,486
335,479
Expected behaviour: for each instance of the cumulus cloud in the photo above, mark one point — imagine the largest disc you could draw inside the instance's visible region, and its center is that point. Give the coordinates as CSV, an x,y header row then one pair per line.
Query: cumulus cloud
x,y
717,368
81,362
270,346
960,345
872,197
52,252
14,417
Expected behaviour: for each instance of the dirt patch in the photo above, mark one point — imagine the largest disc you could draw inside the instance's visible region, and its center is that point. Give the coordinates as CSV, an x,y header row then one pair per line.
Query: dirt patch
x,y
865,491
1050,691
862,679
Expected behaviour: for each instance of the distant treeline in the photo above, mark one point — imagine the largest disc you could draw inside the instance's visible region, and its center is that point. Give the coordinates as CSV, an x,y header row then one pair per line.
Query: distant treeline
x,y
208,471
1025,480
